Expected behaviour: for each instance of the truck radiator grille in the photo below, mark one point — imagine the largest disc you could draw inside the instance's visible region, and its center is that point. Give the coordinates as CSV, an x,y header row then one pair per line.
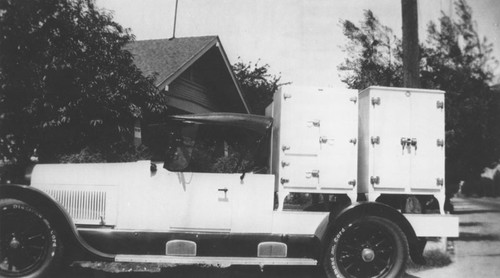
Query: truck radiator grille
x,y
86,207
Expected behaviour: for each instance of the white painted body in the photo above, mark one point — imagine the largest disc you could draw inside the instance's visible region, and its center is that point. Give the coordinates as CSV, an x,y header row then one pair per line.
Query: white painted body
x,y
315,140
138,199
390,114
319,128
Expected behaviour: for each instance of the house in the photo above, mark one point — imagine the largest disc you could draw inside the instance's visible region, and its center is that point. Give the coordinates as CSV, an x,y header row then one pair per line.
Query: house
x,y
194,73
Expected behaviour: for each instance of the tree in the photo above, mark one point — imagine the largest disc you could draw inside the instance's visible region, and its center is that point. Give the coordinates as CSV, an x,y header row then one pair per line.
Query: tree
x,y
454,59
373,54
459,62
66,81
257,84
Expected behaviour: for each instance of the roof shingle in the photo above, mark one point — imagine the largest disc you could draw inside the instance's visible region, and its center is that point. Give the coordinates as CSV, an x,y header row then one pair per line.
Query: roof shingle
x,y
167,56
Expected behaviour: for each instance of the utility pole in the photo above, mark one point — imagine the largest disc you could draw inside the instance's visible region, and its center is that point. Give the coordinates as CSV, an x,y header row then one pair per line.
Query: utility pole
x,y
175,19
411,48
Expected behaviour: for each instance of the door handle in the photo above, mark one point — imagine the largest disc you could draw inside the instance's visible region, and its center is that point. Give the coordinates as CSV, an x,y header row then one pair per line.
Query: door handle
x,y
408,143
225,194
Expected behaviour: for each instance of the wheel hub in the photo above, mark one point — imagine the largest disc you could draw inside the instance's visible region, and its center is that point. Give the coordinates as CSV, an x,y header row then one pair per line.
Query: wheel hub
x,y
14,243
368,255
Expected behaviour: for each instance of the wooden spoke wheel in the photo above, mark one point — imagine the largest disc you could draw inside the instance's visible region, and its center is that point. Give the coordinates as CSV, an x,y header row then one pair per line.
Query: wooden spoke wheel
x,y
367,247
29,246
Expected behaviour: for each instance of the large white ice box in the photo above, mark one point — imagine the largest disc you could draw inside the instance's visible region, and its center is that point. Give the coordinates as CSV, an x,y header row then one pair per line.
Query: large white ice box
x,y
401,142
315,140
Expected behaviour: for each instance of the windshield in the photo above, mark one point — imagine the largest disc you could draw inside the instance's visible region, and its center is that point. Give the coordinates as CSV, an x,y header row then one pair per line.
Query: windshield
x,y
211,148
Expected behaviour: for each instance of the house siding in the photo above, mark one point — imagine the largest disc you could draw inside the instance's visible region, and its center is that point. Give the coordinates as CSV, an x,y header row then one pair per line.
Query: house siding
x,y
196,94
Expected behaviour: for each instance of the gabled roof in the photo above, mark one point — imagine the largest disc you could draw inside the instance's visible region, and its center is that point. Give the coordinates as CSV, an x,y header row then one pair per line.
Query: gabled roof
x,y
167,56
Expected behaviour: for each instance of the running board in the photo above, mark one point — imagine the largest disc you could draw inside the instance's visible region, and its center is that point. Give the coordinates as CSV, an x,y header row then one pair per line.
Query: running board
x,y
213,261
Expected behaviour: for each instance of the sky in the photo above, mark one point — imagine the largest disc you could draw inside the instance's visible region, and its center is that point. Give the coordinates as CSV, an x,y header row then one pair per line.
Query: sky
x,y
300,39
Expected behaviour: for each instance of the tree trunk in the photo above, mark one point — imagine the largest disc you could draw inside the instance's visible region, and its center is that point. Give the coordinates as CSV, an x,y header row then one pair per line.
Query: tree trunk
x,y
411,50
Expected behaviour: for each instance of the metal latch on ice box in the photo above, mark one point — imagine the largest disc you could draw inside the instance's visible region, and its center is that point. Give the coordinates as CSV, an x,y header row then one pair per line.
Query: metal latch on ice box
x,y
324,140
439,182
408,143
312,174
315,123
440,142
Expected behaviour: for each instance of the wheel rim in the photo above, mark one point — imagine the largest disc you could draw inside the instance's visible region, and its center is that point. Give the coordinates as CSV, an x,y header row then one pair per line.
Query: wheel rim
x,y
25,241
365,250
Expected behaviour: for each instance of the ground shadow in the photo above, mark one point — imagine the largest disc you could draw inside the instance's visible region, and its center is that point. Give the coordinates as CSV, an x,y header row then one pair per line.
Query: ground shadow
x,y
470,224
203,272
476,211
209,272
464,236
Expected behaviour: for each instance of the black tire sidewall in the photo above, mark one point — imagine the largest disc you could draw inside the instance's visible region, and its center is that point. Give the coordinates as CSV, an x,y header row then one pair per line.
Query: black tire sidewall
x,y
53,253
330,263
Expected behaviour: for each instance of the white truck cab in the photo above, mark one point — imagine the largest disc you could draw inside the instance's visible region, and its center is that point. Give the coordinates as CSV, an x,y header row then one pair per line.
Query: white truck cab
x,y
350,182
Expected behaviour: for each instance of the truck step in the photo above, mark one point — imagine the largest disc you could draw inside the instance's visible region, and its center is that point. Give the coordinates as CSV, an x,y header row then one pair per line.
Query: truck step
x,y
213,261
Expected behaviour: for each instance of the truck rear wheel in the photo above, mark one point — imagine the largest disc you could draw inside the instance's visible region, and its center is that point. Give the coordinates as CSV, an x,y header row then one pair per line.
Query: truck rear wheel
x,y
29,246
370,246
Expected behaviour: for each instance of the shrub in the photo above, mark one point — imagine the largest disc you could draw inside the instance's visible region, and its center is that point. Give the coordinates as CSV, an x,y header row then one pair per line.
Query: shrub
x,y
118,152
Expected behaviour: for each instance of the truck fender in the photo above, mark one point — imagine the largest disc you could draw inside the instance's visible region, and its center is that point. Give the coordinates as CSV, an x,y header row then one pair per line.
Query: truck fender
x,y
77,248
360,209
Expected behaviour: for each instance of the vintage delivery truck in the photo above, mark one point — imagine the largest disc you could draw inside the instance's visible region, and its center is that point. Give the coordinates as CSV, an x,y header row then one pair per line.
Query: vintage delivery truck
x,y
351,182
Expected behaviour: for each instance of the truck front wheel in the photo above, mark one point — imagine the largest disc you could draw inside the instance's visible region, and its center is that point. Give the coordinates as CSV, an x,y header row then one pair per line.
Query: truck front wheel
x,y
29,246
369,246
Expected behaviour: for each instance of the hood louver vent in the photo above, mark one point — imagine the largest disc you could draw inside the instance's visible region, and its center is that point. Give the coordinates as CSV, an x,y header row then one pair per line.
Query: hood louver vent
x,y
88,207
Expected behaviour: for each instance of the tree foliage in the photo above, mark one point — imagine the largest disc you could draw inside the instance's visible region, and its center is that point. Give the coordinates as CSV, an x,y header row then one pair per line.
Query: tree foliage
x,y
66,81
459,62
257,84
374,55
454,59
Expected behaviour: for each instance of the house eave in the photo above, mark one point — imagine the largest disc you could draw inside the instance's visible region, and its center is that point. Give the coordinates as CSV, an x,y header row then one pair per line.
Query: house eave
x,y
231,73
186,65
214,43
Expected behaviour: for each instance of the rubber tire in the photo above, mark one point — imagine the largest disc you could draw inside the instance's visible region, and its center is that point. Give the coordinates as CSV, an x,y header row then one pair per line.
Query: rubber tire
x,y
49,262
399,257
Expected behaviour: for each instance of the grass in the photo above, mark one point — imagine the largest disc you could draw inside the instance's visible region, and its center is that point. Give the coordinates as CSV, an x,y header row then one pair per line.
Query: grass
x,y
435,258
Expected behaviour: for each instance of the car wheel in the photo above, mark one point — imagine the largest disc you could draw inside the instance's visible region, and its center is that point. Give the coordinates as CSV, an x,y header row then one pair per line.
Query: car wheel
x,y
29,246
369,246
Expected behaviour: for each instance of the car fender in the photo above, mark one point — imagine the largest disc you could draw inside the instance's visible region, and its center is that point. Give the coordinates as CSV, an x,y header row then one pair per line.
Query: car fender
x,y
77,248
